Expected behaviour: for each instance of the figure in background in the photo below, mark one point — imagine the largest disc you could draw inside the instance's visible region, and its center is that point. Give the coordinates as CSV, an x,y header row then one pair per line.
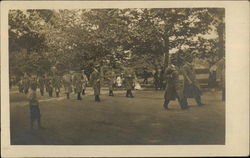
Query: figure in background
x,y
33,83
20,86
128,84
161,78
57,83
156,79
119,81
136,83
67,82
145,76
41,84
95,79
111,82
84,82
50,86
77,82
26,83
212,76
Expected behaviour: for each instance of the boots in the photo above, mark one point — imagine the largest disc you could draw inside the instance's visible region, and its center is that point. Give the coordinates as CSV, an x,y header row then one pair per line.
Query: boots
x,y
97,98
67,95
130,93
198,100
79,96
111,93
165,105
83,92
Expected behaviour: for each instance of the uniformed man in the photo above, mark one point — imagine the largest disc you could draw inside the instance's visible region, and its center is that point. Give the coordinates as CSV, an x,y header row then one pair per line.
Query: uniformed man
x,y
41,84
67,82
191,85
20,86
174,87
26,83
57,83
50,86
128,84
77,82
84,82
33,83
156,79
95,79
111,82
34,109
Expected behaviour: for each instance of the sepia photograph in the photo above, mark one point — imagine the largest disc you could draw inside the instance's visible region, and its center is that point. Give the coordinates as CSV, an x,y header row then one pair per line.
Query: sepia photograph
x,y
134,76
117,76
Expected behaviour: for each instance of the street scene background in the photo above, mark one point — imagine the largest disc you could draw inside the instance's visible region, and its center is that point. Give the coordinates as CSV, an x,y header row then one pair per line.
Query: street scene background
x,y
119,44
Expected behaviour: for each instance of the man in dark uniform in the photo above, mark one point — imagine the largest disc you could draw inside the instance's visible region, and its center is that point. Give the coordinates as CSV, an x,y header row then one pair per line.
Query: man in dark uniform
x,y
156,79
174,87
67,82
111,82
95,79
26,83
128,84
33,83
41,84
50,86
77,82
191,85
57,83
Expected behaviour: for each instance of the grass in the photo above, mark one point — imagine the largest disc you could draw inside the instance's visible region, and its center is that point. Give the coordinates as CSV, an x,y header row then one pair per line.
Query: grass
x,y
120,121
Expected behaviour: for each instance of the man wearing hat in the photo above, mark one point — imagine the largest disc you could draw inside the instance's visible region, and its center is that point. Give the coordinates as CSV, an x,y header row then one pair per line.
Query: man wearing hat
x,y
84,82
57,83
77,82
191,85
111,82
128,84
95,79
174,87
67,81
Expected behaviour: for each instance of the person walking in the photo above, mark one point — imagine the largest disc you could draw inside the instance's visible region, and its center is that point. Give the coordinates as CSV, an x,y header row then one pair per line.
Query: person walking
x,y
191,85
174,87
67,82
41,84
95,79
84,82
77,82
57,84
111,83
128,84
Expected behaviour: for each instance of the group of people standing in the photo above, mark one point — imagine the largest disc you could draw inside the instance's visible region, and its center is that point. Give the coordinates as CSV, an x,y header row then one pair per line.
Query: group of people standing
x,y
181,89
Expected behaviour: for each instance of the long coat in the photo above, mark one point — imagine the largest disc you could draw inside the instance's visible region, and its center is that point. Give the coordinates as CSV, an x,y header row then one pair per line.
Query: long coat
x,y
77,82
41,82
95,79
57,83
128,82
174,87
67,82
84,81
191,84
111,81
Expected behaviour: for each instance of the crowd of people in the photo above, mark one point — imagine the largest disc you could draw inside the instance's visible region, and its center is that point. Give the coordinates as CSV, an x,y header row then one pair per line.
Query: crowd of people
x,y
178,80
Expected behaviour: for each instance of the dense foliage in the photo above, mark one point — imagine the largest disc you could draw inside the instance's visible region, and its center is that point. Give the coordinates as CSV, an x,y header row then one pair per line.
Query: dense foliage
x,y
114,38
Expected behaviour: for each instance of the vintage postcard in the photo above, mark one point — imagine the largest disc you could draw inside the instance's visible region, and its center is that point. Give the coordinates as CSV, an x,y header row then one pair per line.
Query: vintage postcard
x,y
124,78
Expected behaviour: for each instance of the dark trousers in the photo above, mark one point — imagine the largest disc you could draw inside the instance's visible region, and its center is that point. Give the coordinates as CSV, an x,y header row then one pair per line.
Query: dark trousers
x,y
97,98
111,93
41,91
67,94
129,93
79,96
145,81
83,92
182,104
50,93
